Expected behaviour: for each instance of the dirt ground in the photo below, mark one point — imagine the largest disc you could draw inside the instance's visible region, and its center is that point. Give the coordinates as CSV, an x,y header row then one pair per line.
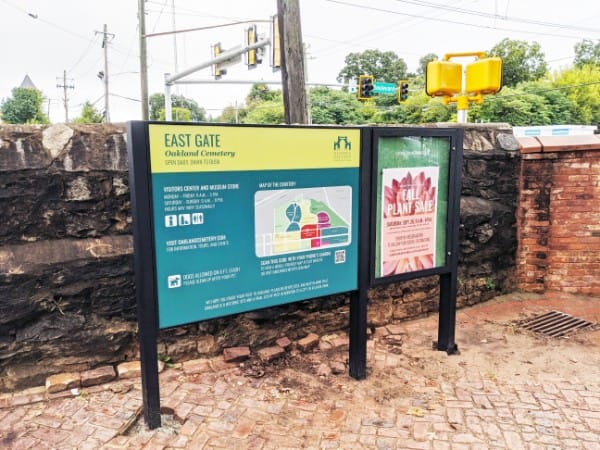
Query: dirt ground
x,y
403,364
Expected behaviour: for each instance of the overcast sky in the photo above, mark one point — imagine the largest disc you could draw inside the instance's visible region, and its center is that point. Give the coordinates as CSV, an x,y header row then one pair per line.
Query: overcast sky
x,y
42,39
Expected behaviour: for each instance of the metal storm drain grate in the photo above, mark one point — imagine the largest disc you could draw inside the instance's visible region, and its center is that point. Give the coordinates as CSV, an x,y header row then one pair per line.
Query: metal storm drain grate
x,y
555,324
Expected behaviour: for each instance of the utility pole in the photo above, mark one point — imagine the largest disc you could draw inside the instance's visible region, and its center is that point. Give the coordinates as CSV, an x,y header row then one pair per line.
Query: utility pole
x,y
143,59
105,35
175,62
64,86
292,62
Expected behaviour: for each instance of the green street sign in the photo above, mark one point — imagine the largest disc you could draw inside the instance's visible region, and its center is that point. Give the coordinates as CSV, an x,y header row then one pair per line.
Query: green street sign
x,y
384,88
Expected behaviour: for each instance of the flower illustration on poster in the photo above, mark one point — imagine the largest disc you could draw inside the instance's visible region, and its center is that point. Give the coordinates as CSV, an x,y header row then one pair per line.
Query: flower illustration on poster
x,y
409,210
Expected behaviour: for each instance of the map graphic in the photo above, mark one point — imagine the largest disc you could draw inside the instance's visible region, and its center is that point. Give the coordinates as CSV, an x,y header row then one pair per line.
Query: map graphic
x,y
296,220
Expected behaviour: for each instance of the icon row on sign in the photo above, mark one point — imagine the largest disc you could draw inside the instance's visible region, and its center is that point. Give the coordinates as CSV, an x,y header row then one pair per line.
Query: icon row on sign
x,y
183,220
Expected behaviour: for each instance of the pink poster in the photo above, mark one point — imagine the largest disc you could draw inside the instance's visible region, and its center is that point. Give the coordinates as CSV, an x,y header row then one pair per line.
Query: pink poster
x,y
408,234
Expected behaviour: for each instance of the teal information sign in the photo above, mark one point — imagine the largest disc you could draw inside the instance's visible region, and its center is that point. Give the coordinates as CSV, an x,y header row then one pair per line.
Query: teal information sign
x,y
247,217
379,87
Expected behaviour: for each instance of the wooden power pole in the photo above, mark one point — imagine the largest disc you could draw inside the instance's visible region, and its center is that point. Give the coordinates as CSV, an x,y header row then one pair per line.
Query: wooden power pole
x,y
292,62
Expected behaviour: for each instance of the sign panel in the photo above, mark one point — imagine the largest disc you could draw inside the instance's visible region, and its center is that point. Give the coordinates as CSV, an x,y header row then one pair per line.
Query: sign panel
x,y
381,87
250,217
412,176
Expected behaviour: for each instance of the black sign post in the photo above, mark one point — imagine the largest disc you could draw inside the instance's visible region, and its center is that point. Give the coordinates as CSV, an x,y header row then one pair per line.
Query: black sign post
x,y
145,274
340,210
415,213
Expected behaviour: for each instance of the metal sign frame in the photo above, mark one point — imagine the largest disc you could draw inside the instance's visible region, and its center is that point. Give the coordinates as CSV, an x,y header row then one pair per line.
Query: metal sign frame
x,y
140,183
447,271
146,218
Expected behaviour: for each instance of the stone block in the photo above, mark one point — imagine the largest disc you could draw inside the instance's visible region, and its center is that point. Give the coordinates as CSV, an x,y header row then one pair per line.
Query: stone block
x,y
337,367
207,345
284,342
396,328
236,354
62,382
309,342
268,354
96,376
196,366
28,396
341,343
323,370
131,369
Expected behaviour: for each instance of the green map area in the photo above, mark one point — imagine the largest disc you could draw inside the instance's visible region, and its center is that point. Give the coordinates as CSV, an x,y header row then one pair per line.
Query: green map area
x,y
305,220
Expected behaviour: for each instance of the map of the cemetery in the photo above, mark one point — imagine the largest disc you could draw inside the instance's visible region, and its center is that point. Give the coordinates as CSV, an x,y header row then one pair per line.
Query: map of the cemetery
x,y
295,220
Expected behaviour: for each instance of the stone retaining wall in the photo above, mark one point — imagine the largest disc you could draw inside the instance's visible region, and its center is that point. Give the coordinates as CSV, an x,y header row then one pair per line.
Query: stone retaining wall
x,y
67,300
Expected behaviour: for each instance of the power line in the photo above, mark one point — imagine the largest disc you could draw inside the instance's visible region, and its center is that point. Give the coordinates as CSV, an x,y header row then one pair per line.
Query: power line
x,y
455,22
497,16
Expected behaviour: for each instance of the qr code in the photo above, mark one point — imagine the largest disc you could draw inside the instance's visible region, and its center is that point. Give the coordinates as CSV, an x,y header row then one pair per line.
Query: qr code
x,y
340,256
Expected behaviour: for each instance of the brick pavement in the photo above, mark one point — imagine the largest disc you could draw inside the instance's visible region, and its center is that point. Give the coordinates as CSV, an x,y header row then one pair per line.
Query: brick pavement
x,y
495,394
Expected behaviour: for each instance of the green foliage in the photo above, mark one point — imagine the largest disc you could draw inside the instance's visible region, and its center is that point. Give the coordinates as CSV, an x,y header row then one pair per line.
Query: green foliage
x,y
560,106
587,53
260,92
157,108
581,86
422,70
232,114
89,114
517,107
268,112
384,66
25,106
263,106
178,114
521,61
334,107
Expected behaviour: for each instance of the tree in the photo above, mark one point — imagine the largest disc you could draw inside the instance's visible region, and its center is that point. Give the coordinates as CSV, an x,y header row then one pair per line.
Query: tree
x,y
559,105
89,114
581,86
260,92
521,61
25,106
384,66
422,70
586,52
328,106
178,114
514,106
269,112
157,104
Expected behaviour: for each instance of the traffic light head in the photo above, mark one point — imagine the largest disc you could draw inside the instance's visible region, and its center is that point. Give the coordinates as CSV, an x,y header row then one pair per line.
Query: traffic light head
x,y
218,72
365,86
443,78
402,91
484,76
252,58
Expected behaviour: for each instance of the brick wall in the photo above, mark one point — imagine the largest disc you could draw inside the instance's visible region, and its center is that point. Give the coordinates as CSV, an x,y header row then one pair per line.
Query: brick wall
x,y
559,214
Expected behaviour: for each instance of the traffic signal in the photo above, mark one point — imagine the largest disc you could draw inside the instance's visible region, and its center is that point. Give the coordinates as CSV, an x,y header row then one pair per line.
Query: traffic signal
x,y
252,57
217,71
275,44
365,86
484,76
443,78
402,91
